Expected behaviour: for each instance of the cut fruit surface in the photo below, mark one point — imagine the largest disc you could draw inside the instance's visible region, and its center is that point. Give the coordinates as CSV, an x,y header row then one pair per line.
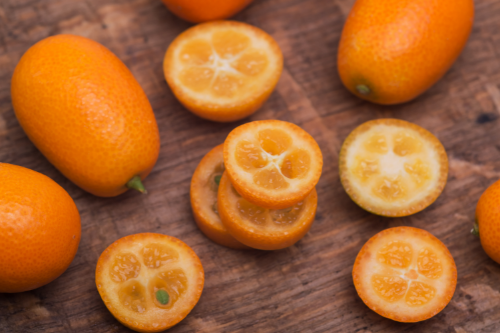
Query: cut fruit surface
x,y
149,282
392,167
223,70
405,274
262,228
204,188
271,163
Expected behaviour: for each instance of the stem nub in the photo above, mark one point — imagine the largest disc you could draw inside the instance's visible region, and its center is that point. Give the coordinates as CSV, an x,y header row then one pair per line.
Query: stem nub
x,y
475,229
136,184
363,89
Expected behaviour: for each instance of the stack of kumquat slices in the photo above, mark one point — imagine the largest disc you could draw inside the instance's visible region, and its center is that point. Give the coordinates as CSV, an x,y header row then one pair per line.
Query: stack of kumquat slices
x,y
257,190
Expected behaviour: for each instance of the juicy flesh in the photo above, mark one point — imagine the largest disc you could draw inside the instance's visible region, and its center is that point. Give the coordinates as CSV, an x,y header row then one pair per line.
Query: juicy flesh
x,y
223,65
406,273
392,165
125,266
272,160
139,295
263,217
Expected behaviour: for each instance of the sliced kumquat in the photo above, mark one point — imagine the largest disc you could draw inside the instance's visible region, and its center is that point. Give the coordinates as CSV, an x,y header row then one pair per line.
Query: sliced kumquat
x,y
392,167
262,228
405,274
271,163
149,282
204,188
223,70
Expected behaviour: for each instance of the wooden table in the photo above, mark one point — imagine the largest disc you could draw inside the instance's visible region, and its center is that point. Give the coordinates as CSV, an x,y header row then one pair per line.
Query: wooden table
x,y
307,287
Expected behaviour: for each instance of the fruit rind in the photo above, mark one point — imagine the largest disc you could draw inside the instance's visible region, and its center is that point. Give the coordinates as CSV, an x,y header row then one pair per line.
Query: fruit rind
x,y
397,46
364,268
40,229
86,113
488,221
367,202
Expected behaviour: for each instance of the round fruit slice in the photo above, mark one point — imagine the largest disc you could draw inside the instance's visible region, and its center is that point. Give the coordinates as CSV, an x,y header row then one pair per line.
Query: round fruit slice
x,y
271,163
204,188
392,167
261,228
223,70
405,274
149,282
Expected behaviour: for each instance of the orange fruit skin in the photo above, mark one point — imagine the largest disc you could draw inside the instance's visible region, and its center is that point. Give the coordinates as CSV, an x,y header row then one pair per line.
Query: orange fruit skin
x,y
84,110
488,219
400,48
39,229
197,11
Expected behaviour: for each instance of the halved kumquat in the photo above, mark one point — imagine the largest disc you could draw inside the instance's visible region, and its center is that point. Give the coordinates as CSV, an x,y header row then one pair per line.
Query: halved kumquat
x,y
261,228
272,163
149,282
405,274
223,70
391,167
204,188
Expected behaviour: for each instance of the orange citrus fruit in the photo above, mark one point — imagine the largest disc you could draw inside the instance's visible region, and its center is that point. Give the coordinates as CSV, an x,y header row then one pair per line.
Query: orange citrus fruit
x,y
204,188
81,106
223,70
488,221
392,51
405,274
392,167
271,163
149,282
39,229
197,11
261,228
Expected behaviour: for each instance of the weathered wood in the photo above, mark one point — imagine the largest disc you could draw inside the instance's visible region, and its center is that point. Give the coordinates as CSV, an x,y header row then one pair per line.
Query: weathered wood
x,y
305,288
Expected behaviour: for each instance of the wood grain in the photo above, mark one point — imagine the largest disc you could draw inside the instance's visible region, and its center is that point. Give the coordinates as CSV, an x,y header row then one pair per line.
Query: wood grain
x,y
307,287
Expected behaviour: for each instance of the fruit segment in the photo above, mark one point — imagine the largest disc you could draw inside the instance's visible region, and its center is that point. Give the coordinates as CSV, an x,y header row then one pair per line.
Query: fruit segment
x,y
149,282
125,266
272,163
223,70
405,274
392,167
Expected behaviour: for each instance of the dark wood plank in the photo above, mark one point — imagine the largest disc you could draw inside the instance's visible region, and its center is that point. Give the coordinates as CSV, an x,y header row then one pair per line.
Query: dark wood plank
x,y
307,287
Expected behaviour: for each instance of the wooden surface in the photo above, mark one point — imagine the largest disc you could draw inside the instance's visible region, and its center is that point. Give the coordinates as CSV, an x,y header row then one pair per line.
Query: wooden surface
x,y
305,288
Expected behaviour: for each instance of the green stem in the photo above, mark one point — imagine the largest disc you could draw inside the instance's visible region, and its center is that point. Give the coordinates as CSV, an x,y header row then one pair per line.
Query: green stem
x,y
475,229
363,89
136,184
